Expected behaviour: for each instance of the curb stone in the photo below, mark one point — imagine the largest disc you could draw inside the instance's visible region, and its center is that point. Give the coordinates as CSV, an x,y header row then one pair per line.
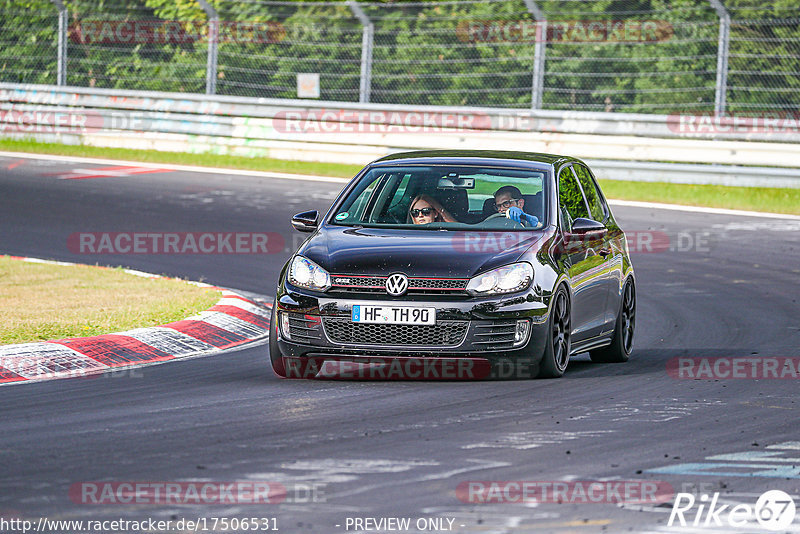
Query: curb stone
x,y
233,321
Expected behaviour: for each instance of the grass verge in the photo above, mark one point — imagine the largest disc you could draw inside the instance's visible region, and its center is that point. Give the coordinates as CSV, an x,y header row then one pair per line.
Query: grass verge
x,y
184,158
775,200
40,302
769,199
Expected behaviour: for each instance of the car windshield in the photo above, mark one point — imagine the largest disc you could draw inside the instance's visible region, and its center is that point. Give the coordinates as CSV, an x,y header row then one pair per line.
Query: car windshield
x,y
443,197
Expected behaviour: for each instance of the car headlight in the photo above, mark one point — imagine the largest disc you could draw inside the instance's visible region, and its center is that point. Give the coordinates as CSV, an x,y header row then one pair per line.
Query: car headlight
x,y
305,273
508,279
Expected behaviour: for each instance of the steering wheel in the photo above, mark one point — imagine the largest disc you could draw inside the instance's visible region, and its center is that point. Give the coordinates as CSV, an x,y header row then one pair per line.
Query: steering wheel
x,y
503,215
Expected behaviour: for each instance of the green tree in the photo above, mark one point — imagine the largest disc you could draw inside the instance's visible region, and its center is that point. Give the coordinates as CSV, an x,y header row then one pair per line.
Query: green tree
x,y
28,41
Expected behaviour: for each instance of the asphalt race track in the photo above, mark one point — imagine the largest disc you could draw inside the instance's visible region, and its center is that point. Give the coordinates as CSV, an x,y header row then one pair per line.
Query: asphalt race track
x,y
347,450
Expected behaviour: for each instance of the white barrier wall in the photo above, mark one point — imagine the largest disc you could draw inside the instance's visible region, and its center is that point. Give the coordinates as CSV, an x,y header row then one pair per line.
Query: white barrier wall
x,y
621,146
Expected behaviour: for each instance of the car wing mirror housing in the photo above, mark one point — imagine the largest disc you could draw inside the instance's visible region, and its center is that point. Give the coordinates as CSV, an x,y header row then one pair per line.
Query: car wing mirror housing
x,y
582,226
306,221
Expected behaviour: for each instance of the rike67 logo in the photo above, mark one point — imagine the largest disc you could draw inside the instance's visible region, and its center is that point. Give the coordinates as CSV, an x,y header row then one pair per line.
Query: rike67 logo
x,y
774,510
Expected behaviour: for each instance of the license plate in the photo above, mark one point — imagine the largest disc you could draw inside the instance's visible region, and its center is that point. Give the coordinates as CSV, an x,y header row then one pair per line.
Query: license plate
x,y
393,314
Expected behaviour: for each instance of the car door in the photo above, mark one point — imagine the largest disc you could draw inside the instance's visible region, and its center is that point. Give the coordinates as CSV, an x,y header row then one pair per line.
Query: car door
x,y
613,254
586,266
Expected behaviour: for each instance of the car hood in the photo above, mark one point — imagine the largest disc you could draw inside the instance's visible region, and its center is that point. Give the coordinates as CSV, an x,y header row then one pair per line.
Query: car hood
x,y
422,253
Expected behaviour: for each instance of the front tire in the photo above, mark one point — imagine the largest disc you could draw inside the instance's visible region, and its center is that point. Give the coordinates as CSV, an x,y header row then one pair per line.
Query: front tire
x,y
276,359
559,337
621,346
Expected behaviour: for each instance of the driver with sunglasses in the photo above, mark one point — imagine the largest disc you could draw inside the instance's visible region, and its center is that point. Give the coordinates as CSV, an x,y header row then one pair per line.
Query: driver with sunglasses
x,y
508,200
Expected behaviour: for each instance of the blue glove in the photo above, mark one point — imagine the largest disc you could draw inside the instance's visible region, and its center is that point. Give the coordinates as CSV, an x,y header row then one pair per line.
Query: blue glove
x,y
517,215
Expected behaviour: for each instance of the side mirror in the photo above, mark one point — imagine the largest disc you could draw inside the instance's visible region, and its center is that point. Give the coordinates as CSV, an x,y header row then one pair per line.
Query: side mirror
x,y
306,221
581,226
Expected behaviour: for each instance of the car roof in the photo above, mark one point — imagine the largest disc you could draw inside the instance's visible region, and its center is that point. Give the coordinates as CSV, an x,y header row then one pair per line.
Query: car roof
x,y
502,158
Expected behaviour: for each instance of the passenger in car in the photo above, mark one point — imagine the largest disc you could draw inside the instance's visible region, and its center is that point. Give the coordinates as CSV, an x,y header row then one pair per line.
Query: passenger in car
x,y
425,209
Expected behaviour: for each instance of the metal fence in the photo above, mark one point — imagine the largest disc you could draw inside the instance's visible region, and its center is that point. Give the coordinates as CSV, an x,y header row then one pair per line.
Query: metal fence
x,y
644,56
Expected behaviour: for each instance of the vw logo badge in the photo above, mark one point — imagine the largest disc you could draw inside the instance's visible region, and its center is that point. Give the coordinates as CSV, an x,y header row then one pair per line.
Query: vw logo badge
x,y
397,284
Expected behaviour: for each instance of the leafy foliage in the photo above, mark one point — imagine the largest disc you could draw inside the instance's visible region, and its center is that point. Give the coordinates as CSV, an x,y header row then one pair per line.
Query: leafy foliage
x,y
470,53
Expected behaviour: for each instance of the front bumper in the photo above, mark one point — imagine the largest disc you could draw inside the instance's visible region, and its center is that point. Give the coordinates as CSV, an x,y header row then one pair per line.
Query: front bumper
x,y
477,330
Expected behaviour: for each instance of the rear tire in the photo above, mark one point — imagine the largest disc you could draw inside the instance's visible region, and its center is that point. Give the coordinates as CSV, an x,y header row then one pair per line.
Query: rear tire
x,y
619,351
275,357
559,337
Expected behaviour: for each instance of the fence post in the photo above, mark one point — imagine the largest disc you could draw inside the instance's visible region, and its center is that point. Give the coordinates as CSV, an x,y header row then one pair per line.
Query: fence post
x,y
367,37
722,56
213,40
63,22
539,50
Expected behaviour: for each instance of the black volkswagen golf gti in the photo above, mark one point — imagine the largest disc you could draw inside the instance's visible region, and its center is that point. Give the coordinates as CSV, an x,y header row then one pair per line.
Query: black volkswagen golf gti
x,y
457,264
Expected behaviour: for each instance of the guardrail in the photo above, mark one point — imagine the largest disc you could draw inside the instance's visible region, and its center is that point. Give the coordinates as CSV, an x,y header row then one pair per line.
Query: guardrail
x,y
622,146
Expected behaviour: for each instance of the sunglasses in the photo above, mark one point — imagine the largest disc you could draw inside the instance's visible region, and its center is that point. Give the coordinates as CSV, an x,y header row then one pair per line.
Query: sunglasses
x,y
423,211
507,203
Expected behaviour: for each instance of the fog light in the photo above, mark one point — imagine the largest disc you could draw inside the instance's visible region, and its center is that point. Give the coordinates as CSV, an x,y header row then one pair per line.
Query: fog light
x,y
521,332
285,326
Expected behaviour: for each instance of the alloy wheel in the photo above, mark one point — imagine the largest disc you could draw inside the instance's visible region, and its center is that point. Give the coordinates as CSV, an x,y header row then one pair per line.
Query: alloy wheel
x,y
628,317
561,331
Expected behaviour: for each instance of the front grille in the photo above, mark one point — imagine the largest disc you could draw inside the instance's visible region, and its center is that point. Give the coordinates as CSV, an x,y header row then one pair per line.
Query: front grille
x,y
376,284
363,282
304,327
437,283
495,334
442,334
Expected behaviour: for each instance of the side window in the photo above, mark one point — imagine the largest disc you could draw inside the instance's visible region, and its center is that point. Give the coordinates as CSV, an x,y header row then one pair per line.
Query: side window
x,y
570,199
358,207
395,210
591,193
